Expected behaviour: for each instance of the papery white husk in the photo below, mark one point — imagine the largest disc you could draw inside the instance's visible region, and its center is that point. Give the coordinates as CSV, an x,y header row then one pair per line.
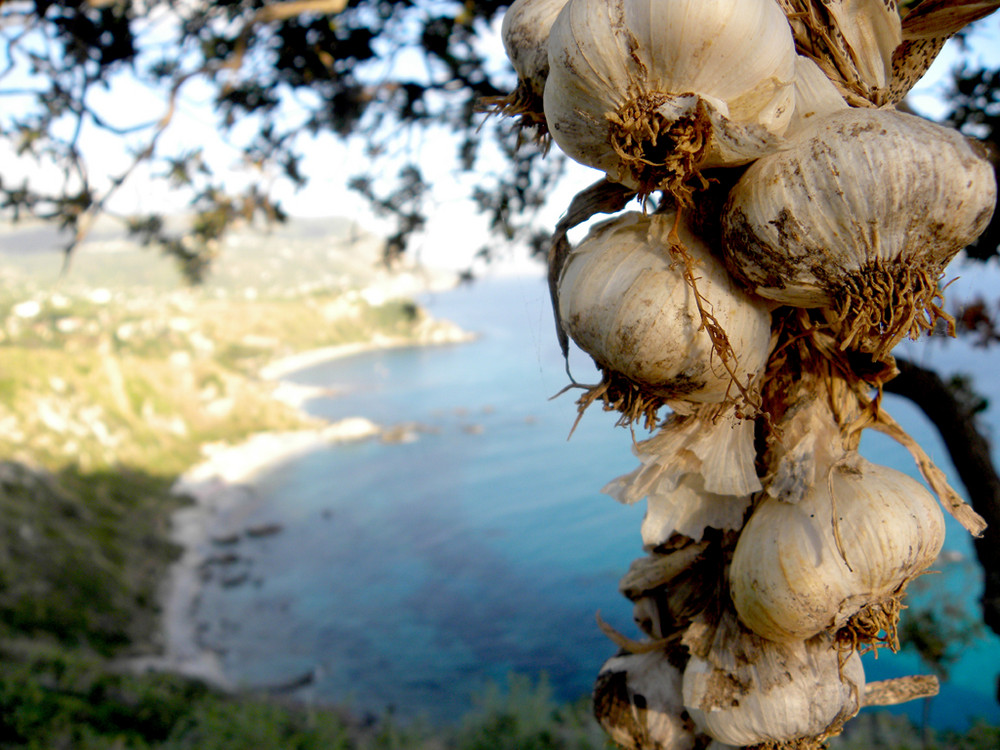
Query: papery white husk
x,y
710,441
854,39
525,34
811,442
872,30
859,214
697,472
637,701
788,578
815,96
624,300
750,691
689,510
705,60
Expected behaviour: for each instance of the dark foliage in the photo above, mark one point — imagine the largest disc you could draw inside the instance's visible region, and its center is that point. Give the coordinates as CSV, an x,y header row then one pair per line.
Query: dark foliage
x,y
975,109
379,72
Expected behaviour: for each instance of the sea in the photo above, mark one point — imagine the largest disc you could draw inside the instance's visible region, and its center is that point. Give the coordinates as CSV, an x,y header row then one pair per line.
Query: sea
x,y
408,576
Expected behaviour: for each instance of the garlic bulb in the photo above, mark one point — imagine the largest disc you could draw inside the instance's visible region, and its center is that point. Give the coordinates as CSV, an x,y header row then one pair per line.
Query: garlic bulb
x,y
525,34
757,692
637,699
652,91
860,214
624,299
846,550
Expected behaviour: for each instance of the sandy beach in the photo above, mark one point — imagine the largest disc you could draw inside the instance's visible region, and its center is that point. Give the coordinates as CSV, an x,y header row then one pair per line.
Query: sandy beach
x,y
224,481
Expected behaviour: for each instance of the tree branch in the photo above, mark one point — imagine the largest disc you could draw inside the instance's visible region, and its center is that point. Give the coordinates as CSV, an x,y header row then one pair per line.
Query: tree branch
x,y
281,11
970,452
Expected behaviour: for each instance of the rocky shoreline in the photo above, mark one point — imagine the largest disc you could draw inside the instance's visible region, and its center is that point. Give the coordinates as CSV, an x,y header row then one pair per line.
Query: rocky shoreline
x,y
225,480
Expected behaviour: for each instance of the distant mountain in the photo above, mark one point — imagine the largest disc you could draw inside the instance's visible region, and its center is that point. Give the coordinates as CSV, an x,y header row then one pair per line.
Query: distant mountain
x,y
300,255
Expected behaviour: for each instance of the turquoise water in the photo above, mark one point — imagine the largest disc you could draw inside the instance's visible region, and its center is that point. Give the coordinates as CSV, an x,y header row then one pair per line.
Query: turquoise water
x,y
408,575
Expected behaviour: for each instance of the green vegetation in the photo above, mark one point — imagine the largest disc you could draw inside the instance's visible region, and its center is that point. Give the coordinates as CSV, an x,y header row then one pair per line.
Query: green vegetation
x,y
107,368
110,384
57,700
82,555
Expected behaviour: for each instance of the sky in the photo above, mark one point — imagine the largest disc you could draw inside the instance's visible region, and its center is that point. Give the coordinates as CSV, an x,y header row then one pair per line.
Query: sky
x,y
454,232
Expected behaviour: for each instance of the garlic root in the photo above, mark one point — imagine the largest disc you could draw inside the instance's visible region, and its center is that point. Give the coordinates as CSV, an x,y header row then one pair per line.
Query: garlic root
x,y
660,152
913,307
525,107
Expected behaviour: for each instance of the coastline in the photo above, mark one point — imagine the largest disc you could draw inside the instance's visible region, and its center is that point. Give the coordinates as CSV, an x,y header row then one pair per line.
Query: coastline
x,y
430,333
224,480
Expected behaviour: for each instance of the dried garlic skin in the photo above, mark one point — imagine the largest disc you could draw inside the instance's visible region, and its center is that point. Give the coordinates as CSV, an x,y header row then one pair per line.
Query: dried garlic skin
x,y
788,579
689,510
853,39
811,441
710,441
860,214
871,32
697,472
624,300
651,91
674,585
760,692
815,95
927,27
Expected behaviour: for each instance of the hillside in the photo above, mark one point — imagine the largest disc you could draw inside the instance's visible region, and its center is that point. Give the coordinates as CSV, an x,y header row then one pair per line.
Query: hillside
x,y
114,376
115,361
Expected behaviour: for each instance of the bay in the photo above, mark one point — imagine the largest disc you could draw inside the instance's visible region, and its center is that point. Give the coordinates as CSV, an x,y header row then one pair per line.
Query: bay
x,y
409,575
